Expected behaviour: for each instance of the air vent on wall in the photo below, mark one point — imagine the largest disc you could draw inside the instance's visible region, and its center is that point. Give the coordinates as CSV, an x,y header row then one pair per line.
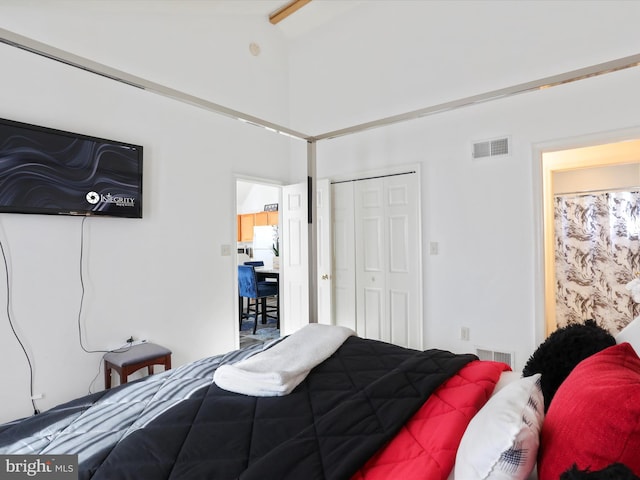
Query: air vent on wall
x,y
504,357
492,148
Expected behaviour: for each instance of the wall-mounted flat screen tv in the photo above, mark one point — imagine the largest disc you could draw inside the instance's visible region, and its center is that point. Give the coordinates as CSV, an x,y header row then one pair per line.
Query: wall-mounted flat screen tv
x,y
48,171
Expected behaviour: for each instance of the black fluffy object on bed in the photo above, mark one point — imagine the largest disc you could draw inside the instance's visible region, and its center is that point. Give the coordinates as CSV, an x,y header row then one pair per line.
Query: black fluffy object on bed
x,y
617,471
556,357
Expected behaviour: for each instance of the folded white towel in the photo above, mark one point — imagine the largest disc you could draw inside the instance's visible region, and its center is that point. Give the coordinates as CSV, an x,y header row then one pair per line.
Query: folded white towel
x,y
278,370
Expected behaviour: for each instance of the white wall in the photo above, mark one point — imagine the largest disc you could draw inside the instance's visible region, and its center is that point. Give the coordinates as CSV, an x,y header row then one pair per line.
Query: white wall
x,y
252,197
162,277
615,177
384,58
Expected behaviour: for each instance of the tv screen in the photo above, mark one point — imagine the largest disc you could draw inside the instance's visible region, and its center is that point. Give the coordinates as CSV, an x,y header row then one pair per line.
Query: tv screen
x,y
48,171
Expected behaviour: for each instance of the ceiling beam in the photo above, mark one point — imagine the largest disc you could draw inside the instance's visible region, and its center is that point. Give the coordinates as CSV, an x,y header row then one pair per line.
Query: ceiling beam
x,y
62,56
289,9
632,61
47,51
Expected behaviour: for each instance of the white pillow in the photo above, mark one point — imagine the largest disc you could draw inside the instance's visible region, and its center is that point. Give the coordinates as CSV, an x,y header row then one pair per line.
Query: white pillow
x,y
631,334
505,379
501,441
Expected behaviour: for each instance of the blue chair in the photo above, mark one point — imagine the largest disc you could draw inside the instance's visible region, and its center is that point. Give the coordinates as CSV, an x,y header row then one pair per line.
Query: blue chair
x,y
261,279
255,263
249,287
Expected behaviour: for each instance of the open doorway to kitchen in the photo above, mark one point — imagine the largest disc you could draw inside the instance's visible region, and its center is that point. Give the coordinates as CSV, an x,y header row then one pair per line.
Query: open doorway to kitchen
x,y
591,223
258,260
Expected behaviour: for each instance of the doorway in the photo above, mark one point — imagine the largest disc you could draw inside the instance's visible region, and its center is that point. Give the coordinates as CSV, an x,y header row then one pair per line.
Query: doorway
x,y
258,244
600,168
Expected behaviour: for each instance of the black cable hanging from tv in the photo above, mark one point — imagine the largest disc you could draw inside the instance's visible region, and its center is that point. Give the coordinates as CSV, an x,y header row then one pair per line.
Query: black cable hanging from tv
x,y
82,294
15,334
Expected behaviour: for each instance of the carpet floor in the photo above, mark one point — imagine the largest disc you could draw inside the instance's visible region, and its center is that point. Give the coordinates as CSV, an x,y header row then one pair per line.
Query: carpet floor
x,y
264,332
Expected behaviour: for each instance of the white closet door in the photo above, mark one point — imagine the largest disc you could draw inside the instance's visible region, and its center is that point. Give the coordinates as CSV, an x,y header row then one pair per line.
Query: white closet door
x,y
325,264
388,260
404,271
371,301
344,267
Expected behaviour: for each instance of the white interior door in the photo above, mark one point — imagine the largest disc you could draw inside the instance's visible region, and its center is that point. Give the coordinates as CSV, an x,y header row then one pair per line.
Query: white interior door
x,y
294,272
324,256
377,224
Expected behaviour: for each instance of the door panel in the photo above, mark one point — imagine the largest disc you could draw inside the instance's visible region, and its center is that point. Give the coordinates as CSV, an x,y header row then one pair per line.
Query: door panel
x,y
370,322
400,320
399,244
404,275
325,267
370,259
294,240
294,275
372,244
344,275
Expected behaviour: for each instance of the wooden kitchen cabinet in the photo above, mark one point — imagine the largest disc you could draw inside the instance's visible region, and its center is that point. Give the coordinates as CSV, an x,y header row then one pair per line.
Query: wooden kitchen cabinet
x,y
247,221
266,218
262,219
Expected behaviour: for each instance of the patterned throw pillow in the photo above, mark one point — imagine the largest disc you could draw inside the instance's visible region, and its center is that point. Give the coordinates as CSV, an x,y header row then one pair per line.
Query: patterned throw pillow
x,y
501,441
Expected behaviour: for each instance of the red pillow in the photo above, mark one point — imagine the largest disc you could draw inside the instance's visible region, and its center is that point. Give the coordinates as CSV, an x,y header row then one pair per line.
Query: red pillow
x,y
594,418
425,447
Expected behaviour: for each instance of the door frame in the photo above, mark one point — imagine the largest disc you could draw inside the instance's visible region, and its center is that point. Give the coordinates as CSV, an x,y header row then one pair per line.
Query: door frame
x,y
257,181
544,164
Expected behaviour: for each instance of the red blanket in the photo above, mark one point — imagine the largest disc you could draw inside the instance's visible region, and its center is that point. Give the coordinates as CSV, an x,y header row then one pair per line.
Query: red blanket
x,y
425,448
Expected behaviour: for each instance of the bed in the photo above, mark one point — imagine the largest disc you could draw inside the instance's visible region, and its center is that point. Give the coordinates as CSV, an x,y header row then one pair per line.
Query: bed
x,y
353,408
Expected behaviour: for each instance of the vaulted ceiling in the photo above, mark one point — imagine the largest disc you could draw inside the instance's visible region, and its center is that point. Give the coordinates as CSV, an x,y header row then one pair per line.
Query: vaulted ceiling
x,y
294,19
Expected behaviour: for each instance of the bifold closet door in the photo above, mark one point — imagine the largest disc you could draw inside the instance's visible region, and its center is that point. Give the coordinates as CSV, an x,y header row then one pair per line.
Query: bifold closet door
x,y
385,248
324,271
344,247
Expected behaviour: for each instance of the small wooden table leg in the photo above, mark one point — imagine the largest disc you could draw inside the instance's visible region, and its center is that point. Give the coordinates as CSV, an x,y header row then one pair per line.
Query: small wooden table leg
x,y
107,375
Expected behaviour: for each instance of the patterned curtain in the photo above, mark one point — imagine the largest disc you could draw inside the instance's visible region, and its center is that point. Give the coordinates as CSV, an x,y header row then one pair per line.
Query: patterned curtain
x,y
597,254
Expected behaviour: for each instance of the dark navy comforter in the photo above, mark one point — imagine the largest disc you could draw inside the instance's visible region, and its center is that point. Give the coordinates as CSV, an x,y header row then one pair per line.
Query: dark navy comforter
x,y
181,425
